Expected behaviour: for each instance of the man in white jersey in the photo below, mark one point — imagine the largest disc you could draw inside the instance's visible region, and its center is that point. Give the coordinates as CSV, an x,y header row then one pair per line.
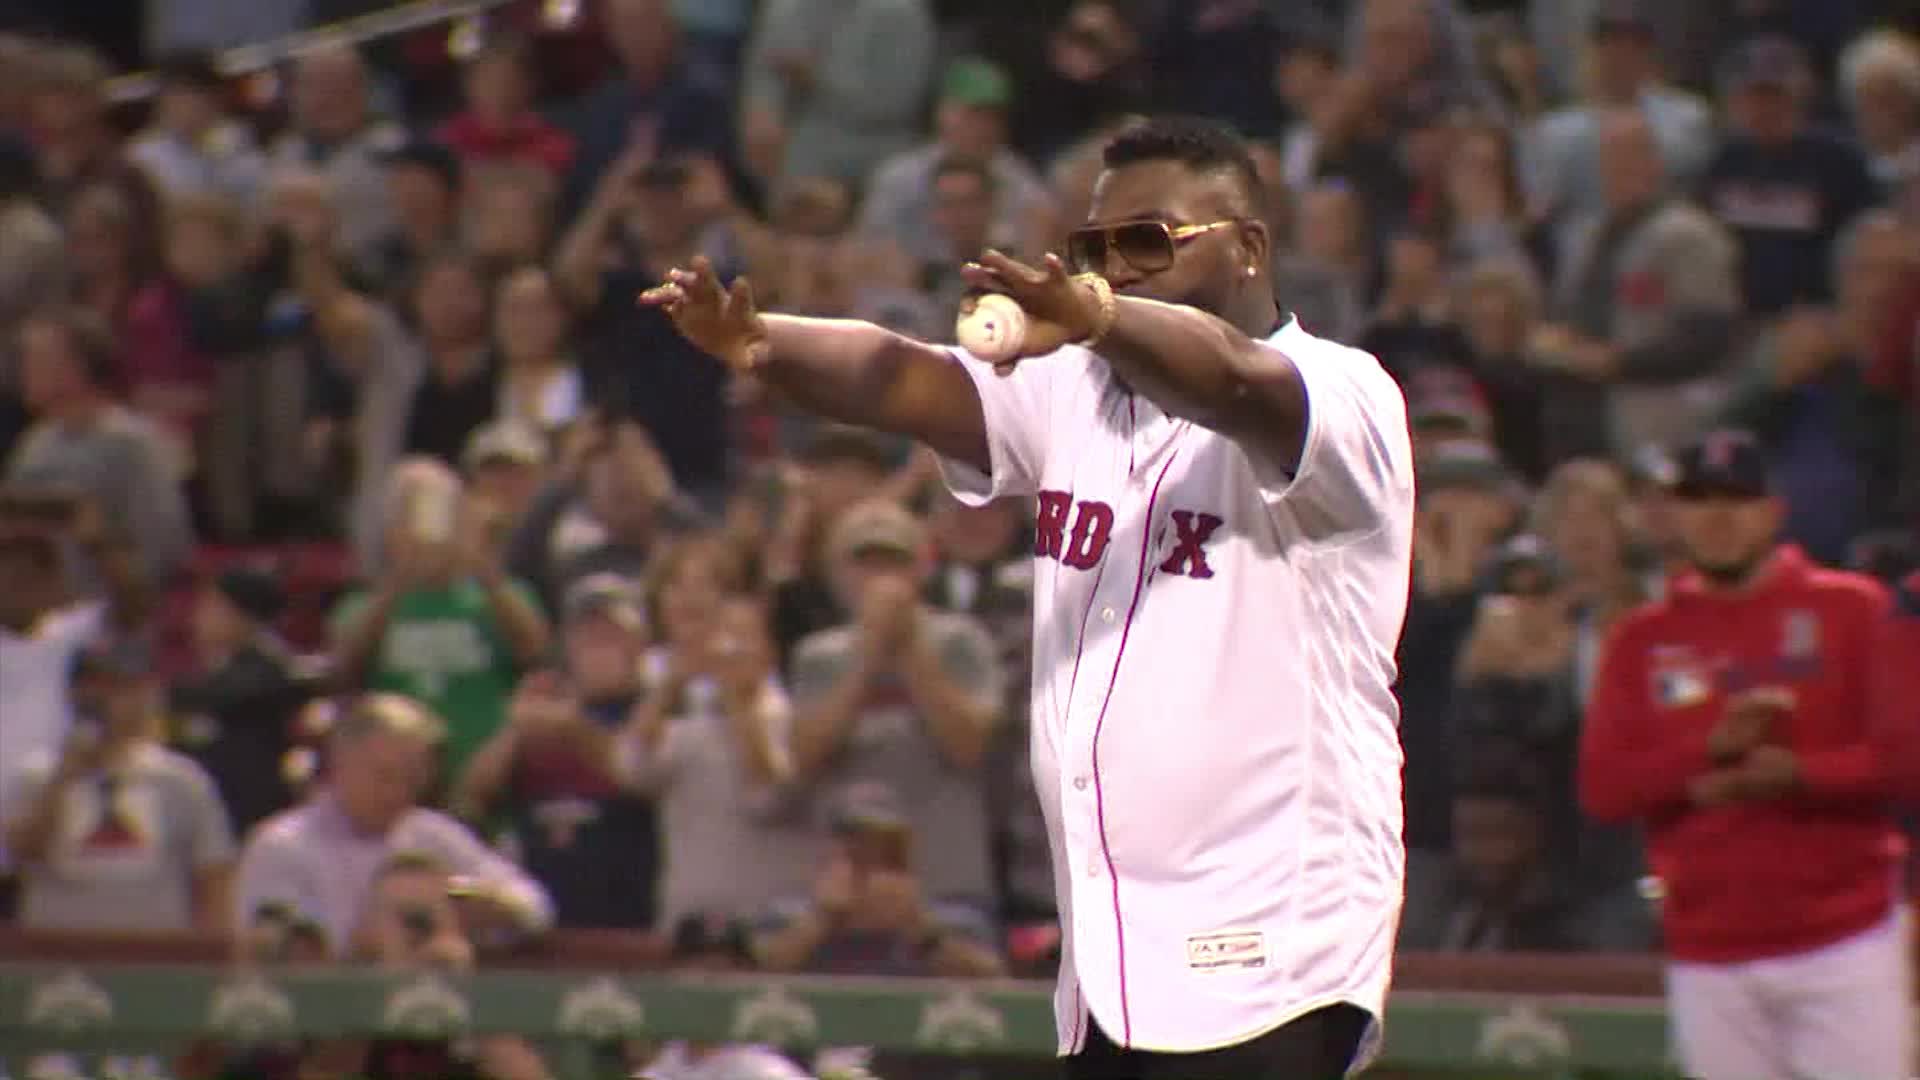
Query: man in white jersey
x,y
1225,519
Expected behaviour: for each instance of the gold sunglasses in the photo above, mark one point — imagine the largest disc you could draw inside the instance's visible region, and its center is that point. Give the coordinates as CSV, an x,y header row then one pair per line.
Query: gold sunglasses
x,y
1147,246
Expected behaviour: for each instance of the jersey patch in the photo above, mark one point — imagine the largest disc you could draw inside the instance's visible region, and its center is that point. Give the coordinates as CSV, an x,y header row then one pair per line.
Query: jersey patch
x,y
1227,950
1680,687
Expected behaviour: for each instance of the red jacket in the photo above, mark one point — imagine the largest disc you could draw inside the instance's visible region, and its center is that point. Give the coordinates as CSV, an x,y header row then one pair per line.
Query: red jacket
x,y
530,141
1756,879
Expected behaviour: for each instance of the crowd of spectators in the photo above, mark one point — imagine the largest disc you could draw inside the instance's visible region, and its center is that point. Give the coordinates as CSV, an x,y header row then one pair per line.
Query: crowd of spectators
x,y
353,511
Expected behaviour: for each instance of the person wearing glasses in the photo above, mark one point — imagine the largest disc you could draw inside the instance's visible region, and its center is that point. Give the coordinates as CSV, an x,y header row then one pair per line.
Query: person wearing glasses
x,y
1221,565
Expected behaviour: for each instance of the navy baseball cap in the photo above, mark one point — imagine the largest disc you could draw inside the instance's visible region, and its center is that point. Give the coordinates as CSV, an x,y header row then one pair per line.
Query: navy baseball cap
x,y
1726,464
1524,566
1626,17
609,596
1768,60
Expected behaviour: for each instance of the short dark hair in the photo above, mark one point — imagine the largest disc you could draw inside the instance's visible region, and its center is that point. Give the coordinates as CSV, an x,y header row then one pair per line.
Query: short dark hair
x,y
1202,145
962,165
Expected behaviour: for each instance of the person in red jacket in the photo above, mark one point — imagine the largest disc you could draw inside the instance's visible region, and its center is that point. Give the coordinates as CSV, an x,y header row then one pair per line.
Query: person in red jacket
x,y
499,124
1736,720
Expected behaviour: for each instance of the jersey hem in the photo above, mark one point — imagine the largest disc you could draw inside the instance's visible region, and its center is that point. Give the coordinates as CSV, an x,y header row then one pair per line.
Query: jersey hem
x,y
1362,1055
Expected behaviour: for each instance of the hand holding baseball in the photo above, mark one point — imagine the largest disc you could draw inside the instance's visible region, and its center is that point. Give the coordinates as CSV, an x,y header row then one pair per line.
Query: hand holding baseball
x,y
1026,311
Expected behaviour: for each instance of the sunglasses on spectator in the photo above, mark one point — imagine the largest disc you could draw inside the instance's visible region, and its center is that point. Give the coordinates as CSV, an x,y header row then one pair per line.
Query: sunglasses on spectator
x,y
1147,246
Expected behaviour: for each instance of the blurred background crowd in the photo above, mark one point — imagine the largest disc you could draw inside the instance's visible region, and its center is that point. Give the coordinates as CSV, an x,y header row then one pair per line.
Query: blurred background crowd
x,y
328,378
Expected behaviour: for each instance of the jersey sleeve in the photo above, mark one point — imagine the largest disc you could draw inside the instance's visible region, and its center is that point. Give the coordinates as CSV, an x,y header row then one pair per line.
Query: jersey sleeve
x,y
1357,457
1018,408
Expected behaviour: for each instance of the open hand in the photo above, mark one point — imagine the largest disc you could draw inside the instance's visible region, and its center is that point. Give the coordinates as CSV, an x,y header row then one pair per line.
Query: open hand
x,y
723,322
1060,309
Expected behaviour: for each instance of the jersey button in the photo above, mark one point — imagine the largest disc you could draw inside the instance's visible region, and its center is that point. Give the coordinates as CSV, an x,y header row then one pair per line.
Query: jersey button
x,y
1106,614
1093,869
1079,783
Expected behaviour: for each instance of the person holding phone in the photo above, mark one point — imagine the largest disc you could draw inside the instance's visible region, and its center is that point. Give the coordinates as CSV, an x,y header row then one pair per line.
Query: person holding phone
x,y
550,772
869,914
115,831
1734,720
442,622
43,627
414,921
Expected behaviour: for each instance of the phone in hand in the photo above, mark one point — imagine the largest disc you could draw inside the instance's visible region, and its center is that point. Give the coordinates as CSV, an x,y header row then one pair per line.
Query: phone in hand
x,y
433,514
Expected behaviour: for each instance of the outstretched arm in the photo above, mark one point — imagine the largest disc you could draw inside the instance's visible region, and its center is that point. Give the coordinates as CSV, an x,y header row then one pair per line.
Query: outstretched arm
x,y
1192,364
1200,367
864,374
846,370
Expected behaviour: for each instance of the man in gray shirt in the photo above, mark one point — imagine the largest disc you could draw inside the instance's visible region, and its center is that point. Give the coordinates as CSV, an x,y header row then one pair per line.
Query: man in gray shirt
x,y
114,831
904,695
971,126
318,862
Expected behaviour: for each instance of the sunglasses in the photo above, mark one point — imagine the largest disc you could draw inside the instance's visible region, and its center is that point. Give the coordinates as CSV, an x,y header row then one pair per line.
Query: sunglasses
x,y
1147,246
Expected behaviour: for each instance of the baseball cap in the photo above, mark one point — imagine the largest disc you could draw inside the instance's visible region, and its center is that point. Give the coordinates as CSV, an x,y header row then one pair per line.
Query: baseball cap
x,y
609,596
878,525
1621,17
977,82
1463,463
1726,463
868,805
1769,60
1449,400
1523,566
503,442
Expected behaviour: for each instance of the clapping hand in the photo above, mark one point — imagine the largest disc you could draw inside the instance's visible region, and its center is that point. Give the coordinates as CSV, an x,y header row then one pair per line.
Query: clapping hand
x,y
887,616
723,322
543,706
1748,722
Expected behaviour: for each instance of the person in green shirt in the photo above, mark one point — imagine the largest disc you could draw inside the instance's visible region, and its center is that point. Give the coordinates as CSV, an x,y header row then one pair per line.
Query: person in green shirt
x,y
440,622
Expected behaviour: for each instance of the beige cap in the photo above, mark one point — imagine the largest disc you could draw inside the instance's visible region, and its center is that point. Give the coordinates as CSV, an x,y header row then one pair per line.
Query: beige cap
x,y
878,525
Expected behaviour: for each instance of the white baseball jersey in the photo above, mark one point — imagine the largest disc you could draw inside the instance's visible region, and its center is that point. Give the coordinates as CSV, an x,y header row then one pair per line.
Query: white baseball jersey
x,y
1214,735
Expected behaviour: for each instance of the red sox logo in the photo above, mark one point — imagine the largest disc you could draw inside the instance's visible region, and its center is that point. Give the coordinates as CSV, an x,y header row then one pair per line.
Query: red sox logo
x,y
1077,534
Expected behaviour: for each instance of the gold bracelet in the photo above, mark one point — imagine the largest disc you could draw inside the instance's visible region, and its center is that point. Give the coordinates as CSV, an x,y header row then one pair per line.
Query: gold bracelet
x,y
1103,293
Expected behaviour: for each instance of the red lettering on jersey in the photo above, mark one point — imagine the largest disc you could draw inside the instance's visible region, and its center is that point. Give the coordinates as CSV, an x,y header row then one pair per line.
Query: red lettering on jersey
x,y
1050,524
1092,527
1191,533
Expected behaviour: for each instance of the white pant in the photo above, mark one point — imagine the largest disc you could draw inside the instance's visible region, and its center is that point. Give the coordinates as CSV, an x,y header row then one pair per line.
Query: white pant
x,y
1840,1012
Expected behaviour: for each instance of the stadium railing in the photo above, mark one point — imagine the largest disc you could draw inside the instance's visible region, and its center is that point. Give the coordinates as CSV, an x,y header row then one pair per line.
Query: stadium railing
x,y
129,1002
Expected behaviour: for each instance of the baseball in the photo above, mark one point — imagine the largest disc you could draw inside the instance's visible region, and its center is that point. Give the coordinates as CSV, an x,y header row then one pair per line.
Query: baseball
x,y
993,328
